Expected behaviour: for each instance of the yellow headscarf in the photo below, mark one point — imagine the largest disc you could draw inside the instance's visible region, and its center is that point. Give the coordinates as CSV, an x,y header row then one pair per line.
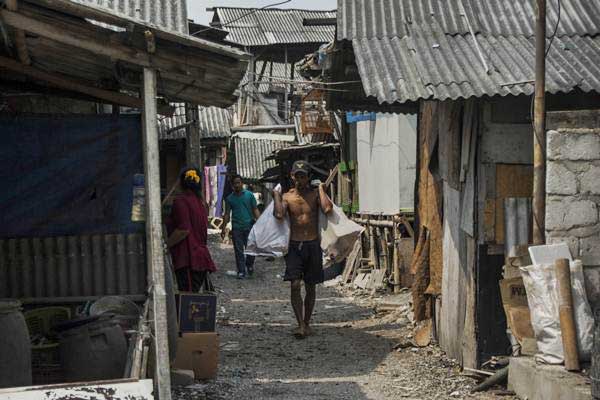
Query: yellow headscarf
x,y
192,175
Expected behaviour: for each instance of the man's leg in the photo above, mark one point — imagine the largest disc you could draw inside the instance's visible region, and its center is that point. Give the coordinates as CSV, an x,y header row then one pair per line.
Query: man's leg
x,y
309,305
296,296
238,247
249,259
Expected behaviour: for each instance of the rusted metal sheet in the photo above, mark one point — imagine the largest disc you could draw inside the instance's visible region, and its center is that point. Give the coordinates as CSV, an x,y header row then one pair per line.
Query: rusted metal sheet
x,y
74,266
104,390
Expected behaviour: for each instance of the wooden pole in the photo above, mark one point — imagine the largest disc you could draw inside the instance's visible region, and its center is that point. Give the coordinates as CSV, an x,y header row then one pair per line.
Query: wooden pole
x,y
396,260
384,248
193,153
565,312
154,242
539,128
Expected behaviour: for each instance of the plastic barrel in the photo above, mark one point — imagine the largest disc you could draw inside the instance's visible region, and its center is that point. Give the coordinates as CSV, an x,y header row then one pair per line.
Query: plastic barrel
x,y
15,346
95,351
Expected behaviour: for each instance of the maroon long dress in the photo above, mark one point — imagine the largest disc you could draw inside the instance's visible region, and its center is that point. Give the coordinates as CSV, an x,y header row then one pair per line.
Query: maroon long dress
x,y
191,257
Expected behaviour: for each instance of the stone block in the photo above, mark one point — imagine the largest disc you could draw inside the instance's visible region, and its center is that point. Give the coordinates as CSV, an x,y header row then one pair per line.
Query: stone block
x,y
571,241
573,145
545,382
590,180
560,180
590,250
564,213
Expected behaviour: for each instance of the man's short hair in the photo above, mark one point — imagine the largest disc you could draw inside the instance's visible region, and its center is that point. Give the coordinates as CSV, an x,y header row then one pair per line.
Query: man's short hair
x,y
236,176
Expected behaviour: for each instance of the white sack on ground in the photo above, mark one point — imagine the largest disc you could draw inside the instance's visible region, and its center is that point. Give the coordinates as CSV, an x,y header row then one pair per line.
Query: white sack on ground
x,y
338,235
542,295
269,236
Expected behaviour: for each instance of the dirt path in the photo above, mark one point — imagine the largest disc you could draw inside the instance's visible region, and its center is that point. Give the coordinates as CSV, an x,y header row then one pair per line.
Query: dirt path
x,y
351,355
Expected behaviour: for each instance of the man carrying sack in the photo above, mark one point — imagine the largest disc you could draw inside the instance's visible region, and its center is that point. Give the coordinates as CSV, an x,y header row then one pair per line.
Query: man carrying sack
x,y
304,260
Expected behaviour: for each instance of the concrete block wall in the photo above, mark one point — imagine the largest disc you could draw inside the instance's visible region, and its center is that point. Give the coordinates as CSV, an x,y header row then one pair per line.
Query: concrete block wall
x,y
573,184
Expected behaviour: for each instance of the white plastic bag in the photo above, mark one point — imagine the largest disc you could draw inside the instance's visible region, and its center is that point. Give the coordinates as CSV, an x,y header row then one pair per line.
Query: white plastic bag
x,y
542,295
338,235
269,236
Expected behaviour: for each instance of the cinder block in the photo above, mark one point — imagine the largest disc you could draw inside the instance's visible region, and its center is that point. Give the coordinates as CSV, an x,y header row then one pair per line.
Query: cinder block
x,y
573,145
566,213
545,382
590,180
590,250
560,180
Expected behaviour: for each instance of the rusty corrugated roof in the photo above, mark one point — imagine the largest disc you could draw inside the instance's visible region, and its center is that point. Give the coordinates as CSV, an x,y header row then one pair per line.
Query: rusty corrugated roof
x,y
263,27
215,122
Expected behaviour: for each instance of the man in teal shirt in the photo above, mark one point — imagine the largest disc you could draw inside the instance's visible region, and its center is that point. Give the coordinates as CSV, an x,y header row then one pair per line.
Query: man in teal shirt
x,y
241,204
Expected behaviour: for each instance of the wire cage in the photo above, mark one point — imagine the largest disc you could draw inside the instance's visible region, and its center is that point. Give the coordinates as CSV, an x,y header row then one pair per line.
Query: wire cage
x,y
315,118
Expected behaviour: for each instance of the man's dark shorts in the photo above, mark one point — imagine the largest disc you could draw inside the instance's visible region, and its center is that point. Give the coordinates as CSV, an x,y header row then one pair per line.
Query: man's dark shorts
x,y
304,260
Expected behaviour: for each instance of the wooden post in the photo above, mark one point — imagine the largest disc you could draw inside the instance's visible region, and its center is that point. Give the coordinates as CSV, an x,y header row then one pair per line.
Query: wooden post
x,y
397,279
372,247
193,153
565,312
384,248
154,242
539,128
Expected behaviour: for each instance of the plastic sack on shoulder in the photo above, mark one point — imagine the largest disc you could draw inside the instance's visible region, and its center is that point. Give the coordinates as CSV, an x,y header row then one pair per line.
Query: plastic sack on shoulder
x,y
338,235
269,236
542,296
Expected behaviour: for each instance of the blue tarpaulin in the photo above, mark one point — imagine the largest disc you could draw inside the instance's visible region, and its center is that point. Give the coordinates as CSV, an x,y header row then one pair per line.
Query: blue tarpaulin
x,y
352,118
68,175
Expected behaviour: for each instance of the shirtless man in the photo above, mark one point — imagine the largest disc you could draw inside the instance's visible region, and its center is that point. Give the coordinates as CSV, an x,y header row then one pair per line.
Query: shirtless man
x,y
304,261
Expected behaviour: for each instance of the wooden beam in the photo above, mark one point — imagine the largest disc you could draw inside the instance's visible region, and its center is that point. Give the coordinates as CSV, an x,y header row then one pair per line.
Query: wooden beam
x,y
154,240
109,47
68,84
20,42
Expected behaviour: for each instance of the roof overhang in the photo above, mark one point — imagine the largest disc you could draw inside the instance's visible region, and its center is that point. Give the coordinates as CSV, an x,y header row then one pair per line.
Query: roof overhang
x,y
84,49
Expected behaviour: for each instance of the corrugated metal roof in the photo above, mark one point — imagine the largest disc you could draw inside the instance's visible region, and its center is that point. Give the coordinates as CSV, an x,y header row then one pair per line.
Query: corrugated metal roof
x,y
360,19
441,67
409,50
215,122
271,81
252,149
168,15
263,27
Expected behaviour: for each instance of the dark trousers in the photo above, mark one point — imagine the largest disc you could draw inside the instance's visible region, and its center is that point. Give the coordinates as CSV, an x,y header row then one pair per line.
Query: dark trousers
x,y
189,280
240,241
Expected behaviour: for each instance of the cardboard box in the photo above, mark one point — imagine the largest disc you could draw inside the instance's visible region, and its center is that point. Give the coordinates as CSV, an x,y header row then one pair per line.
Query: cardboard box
x,y
198,352
196,312
516,308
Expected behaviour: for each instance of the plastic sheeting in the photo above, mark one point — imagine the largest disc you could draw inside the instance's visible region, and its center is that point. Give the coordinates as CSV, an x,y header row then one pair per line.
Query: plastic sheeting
x,y
68,175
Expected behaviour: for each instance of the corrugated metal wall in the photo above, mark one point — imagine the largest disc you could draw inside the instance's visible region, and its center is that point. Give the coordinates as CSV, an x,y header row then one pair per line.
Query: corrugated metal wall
x,y
72,266
169,15
386,151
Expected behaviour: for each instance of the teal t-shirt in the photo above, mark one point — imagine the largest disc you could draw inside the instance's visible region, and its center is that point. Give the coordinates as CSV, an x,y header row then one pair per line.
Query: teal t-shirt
x,y
241,206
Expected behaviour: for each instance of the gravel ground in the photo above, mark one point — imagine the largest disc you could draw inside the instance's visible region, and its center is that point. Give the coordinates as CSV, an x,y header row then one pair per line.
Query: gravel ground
x,y
354,354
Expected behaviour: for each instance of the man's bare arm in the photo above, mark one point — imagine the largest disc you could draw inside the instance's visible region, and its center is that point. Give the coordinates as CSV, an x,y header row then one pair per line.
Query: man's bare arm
x,y
324,200
279,209
256,213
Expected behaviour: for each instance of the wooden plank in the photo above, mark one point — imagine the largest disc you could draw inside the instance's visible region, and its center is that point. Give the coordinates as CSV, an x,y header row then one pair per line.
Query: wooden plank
x,y
469,337
20,41
92,41
351,261
154,240
453,299
69,84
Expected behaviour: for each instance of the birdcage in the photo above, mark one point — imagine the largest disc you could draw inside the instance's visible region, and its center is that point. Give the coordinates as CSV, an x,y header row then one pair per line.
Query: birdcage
x,y
315,119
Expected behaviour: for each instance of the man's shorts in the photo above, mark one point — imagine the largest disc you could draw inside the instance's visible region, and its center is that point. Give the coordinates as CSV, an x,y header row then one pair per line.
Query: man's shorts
x,y
304,260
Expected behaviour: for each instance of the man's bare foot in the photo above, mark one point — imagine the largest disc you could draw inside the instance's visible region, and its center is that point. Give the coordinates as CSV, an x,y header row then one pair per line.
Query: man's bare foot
x,y
300,332
308,330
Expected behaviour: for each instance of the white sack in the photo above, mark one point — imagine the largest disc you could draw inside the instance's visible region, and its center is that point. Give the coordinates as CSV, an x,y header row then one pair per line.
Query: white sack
x,y
269,236
542,295
338,235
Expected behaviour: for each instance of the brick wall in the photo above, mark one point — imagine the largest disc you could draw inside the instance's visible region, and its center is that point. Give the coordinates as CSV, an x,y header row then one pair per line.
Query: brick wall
x,y
573,183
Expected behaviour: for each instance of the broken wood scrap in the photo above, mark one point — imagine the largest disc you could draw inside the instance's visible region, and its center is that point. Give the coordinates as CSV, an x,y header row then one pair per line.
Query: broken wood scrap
x,y
498,378
351,263
420,268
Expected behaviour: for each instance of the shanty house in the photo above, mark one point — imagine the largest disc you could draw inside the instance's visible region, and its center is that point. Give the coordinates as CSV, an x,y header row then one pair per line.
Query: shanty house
x,y
71,229
467,67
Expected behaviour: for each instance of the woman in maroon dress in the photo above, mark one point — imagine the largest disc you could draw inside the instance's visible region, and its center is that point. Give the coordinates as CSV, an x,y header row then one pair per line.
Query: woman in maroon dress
x,y
188,234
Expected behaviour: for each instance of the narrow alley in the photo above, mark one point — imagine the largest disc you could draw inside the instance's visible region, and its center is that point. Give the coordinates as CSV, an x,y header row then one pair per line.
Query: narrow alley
x,y
355,353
